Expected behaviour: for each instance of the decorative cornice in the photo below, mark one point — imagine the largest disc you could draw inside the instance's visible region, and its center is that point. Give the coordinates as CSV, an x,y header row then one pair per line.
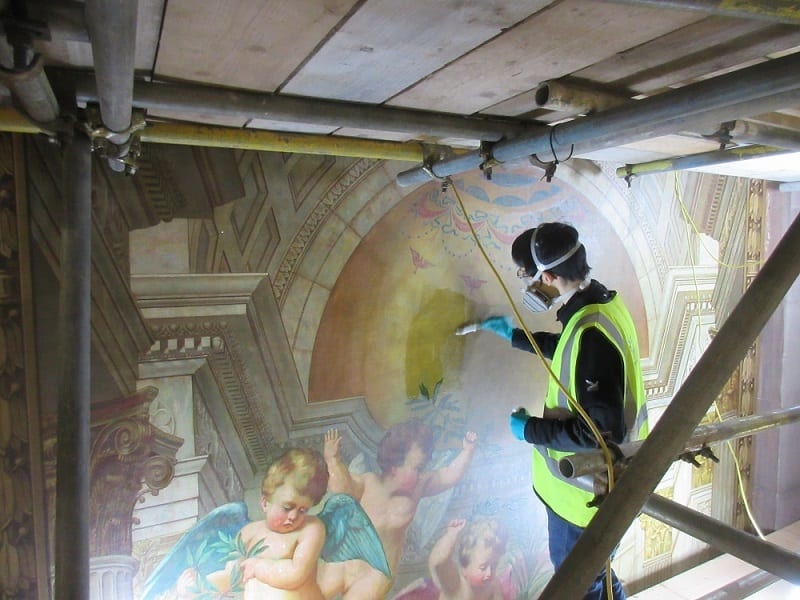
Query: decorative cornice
x,y
687,297
251,387
210,317
639,216
155,184
181,339
196,290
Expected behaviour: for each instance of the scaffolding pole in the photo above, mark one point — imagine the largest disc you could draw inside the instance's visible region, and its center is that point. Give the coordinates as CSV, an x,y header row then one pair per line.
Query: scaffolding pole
x,y
761,88
593,461
725,538
702,159
72,460
750,548
680,419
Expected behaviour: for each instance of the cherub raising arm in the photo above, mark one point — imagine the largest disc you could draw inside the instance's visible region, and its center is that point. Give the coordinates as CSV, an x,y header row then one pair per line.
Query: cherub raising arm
x,y
341,480
448,476
463,563
391,496
443,570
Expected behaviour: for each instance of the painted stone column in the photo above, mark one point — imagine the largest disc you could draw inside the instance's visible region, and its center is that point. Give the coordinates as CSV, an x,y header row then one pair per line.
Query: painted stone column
x,y
130,459
111,576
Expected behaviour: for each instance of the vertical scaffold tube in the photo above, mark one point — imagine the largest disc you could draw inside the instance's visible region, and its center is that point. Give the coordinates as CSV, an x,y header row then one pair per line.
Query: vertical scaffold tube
x,y
72,466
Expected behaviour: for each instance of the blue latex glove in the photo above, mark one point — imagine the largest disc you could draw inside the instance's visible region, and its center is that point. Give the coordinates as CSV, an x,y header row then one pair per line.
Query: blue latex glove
x,y
502,326
517,421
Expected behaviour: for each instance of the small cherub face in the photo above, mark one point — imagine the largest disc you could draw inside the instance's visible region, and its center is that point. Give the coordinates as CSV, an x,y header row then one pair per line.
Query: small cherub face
x,y
407,475
286,509
481,567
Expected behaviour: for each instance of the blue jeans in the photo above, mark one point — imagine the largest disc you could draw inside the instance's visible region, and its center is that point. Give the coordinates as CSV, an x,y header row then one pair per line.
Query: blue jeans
x,y
563,535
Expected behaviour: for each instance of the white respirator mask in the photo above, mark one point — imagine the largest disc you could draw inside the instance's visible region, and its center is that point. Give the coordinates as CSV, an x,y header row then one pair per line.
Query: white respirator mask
x,y
534,298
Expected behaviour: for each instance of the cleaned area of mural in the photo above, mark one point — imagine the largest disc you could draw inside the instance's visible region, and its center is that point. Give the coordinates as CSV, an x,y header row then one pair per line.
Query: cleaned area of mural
x,y
387,331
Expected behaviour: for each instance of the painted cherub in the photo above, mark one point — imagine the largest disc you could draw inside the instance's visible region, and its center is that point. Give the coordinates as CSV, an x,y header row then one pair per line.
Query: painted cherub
x,y
291,539
463,562
277,557
390,498
281,551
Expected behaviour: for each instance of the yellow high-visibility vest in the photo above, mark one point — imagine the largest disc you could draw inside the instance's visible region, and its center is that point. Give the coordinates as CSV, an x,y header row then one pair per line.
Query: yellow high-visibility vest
x,y
614,321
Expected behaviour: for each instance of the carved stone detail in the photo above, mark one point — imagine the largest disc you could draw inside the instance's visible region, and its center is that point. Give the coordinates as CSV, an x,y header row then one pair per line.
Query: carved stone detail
x,y
688,305
749,367
111,577
129,457
658,538
728,399
156,186
703,475
149,553
118,331
186,338
645,223
306,234
108,218
208,441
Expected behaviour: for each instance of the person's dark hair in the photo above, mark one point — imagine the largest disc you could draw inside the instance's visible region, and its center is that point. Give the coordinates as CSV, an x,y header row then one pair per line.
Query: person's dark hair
x,y
553,240
397,441
521,252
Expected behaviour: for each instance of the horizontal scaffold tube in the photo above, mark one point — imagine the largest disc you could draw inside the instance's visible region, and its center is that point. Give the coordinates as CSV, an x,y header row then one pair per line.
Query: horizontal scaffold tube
x,y
748,547
701,159
189,134
213,136
312,111
764,87
586,463
725,538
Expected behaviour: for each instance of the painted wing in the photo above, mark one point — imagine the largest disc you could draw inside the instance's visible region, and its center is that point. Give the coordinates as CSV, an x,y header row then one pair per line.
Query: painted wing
x,y
203,547
350,534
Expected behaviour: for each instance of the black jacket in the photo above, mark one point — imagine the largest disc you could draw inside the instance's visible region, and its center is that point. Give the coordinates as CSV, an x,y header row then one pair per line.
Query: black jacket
x,y
601,391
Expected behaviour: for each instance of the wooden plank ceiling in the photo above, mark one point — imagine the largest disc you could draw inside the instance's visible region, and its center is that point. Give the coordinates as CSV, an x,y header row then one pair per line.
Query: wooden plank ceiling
x,y
466,57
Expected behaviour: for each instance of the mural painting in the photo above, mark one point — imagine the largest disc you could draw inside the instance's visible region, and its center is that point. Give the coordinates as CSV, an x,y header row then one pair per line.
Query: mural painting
x,y
331,435
317,542
417,276
447,491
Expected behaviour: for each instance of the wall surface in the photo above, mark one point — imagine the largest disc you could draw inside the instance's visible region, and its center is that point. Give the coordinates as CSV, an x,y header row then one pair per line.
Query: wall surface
x,y
310,303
